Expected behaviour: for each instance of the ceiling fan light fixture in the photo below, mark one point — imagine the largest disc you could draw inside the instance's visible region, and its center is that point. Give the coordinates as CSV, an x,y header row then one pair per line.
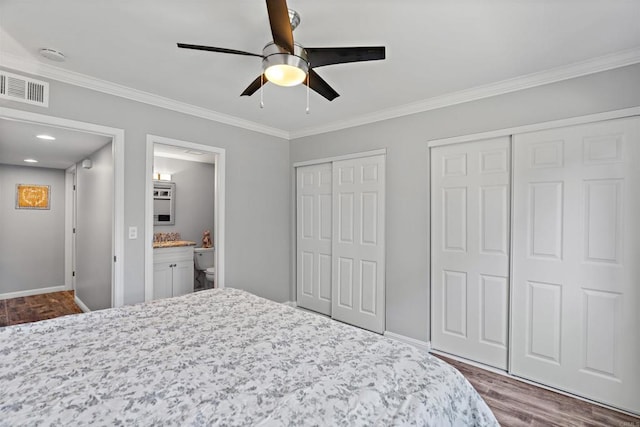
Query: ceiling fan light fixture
x,y
283,68
285,75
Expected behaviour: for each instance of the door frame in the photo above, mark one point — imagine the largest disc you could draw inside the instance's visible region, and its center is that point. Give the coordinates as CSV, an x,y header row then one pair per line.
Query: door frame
x,y
578,120
69,227
117,225
219,207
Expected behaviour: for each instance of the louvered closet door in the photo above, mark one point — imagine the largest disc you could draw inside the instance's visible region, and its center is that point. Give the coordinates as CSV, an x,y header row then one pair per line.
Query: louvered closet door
x,y
576,260
313,201
358,242
470,250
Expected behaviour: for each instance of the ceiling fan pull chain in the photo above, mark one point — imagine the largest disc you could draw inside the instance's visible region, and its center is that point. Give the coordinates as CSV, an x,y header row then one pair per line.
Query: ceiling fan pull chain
x,y
307,111
261,90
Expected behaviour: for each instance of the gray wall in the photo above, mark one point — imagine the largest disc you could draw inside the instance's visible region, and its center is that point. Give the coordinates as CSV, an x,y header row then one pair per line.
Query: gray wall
x,y
194,197
259,177
94,219
31,241
405,138
257,185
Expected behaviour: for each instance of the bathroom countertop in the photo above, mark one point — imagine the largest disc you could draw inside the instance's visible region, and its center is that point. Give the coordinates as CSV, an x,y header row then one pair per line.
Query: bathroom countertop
x,y
173,244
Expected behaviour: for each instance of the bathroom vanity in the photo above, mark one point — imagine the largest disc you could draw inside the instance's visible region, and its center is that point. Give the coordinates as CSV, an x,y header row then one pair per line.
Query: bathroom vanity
x,y
172,269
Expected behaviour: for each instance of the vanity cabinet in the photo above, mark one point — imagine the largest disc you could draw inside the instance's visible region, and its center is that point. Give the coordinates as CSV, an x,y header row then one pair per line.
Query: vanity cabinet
x,y
172,271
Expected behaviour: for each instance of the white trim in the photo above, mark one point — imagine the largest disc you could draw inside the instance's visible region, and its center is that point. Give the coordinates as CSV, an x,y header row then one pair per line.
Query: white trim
x,y
419,344
526,381
472,363
292,304
148,220
118,218
69,178
577,69
219,206
30,292
117,281
609,115
381,151
104,86
80,304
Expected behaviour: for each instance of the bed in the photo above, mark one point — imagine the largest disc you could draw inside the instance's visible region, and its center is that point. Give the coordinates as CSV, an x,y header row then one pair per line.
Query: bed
x,y
222,357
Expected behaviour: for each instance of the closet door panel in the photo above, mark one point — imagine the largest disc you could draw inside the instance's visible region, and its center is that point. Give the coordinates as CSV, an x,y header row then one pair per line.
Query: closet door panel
x,y
576,246
470,202
313,237
358,242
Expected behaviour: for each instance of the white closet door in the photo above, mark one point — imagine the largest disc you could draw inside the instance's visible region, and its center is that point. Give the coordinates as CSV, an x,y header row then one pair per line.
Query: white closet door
x,y
470,250
313,201
358,242
576,260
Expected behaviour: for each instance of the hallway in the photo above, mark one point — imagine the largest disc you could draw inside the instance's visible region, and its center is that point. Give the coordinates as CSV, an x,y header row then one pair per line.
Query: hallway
x,y
37,307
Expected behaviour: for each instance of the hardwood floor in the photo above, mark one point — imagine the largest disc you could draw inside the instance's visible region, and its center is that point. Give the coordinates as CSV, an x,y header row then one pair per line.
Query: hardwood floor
x,y
515,403
37,307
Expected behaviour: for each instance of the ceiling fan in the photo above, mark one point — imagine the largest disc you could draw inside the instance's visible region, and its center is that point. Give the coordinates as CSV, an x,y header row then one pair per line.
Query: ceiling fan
x,y
287,63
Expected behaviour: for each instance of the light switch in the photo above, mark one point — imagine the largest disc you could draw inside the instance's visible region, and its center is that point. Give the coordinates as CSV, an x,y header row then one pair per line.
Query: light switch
x,y
133,232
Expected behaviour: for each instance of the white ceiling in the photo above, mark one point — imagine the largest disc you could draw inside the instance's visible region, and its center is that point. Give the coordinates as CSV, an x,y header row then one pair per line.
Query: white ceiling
x,y
18,142
434,47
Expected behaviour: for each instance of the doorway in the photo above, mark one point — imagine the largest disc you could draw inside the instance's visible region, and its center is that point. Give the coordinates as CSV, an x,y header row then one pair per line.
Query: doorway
x,y
218,184
113,202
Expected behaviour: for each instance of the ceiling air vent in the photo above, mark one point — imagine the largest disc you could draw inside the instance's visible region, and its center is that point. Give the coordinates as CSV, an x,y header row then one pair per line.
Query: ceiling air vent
x,y
23,89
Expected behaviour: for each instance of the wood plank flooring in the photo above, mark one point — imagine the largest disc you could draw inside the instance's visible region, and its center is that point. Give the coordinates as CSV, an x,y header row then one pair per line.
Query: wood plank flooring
x,y
37,307
515,403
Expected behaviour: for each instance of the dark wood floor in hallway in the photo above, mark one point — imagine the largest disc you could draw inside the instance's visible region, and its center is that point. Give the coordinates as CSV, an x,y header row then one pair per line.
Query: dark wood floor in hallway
x,y
516,403
37,307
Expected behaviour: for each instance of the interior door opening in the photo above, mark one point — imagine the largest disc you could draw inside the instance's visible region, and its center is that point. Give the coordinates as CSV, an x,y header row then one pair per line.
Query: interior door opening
x,y
184,227
67,144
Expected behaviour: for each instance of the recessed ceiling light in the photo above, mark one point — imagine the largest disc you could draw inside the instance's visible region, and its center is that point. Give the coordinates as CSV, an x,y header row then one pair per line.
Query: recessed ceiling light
x,y
31,160
52,54
46,137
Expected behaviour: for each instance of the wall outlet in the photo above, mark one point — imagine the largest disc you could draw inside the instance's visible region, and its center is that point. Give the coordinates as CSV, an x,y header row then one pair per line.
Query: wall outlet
x,y
133,232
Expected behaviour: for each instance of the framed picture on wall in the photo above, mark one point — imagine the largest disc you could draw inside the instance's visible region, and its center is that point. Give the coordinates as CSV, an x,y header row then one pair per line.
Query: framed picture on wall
x,y
29,196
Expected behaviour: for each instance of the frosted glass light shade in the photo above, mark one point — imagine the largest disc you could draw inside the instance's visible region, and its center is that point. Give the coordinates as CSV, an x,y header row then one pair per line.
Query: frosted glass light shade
x,y
285,75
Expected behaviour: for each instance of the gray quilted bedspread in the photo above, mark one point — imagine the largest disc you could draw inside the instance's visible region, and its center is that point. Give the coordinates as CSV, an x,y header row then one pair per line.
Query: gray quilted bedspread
x,y
222,357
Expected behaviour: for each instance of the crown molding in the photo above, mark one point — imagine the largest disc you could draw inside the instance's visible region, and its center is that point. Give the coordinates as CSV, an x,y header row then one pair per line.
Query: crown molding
x,y
82,80
577,69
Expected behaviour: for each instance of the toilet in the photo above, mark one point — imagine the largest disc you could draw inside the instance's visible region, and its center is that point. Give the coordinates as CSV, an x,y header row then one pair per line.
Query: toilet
x,y
205,262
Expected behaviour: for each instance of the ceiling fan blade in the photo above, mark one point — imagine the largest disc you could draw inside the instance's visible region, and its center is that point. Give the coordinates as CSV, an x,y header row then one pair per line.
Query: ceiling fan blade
x,y
280,25
217,49
319,85
321,56
254,86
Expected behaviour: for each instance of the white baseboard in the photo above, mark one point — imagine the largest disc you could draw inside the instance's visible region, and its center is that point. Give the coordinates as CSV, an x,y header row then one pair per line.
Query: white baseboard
x,y
80,304
30,292
473,363
291,303
420,345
